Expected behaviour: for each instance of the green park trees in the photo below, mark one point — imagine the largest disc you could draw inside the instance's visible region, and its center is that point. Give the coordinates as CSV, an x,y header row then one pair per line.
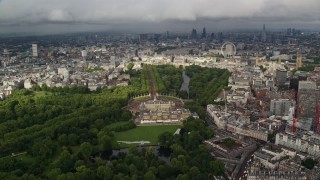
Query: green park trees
x,y
69,133
206,83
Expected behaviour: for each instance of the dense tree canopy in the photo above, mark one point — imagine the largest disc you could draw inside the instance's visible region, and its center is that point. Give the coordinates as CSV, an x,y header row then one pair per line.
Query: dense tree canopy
x,y
189,156
167,78
56,131
206,83
68,133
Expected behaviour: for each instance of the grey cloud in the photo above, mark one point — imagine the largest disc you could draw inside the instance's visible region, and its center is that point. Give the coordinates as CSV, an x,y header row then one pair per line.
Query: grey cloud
x,y
17,12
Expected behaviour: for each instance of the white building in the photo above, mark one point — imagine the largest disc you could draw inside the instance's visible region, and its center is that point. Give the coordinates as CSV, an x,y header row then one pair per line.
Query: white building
x,y
34,50
84,54
241,125
304,142
27,83
64,72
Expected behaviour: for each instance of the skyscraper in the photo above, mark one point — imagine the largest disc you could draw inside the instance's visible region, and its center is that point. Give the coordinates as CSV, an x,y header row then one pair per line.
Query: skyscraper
x,y
194,34
167,34
5,58
204,33
34,50
212,36
264,34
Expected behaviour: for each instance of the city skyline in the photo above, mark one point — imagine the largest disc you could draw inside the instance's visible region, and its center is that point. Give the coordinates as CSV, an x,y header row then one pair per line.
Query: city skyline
x,y
153,16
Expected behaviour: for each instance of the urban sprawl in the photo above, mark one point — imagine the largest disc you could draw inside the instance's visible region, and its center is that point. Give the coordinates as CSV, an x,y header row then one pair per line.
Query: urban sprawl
x,y
266,122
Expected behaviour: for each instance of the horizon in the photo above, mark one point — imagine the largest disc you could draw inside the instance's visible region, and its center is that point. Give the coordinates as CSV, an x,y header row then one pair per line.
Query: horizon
x,y
136,32
56,17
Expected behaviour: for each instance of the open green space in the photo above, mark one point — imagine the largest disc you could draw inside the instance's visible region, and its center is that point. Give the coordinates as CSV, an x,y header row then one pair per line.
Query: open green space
x,y
206,83
41,93
144,133
166,78
169,98
71,132
142,98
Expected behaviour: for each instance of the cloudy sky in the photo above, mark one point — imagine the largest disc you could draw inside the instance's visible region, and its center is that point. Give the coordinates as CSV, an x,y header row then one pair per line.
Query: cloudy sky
x,y
155,15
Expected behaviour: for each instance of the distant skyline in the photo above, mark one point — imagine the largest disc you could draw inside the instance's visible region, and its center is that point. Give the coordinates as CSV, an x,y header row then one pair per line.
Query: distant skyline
x,y
59,16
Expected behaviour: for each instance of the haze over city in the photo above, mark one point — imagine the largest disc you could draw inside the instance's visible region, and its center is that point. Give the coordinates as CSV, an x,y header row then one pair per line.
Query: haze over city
x,y
160,89
58,16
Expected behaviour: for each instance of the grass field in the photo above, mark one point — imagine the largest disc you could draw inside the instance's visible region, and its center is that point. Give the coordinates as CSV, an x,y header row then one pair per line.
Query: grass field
x,y
41,93
144,133
142,98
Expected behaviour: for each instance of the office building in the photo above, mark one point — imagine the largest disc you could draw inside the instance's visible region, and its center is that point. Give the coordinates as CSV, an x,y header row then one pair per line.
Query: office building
x,y
281,76
6,58
280,107
84,54
204,33
307,96
304,142
264,34
34,50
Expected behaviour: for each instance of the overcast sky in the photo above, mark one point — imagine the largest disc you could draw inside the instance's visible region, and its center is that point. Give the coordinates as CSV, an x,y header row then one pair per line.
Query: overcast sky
x,y
155,15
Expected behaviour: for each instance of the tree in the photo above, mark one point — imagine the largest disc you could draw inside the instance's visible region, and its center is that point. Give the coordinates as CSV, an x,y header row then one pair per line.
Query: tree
x,y
105,145
79,163
217,167
165,139
73,139
182,177
308,163
42,149
149,176
99,123
193,172
64,161
263,69
194,139
133,169
63,129
86,149
183,94
63,139
229,142
54,173
130,66
104,172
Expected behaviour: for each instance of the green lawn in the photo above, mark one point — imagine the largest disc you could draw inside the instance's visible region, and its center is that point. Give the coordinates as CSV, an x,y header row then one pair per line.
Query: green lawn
x,y
169,98
41,93
142,98
144,133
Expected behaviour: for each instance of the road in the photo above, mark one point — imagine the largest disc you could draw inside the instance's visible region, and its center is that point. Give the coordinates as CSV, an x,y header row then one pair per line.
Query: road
x,y
151,85
222,133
